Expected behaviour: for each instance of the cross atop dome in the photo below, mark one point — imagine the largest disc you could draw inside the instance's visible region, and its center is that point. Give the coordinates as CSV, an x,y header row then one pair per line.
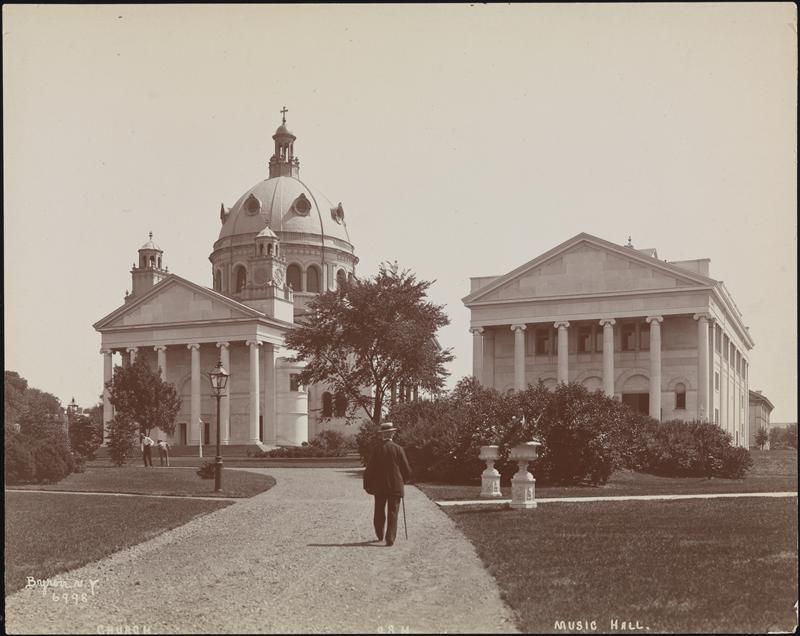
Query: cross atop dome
x,y
283,163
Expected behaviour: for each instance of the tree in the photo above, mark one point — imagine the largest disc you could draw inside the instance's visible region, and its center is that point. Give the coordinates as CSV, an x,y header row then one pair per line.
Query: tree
x,y
762,437
122,433
83,436
140,396
372,333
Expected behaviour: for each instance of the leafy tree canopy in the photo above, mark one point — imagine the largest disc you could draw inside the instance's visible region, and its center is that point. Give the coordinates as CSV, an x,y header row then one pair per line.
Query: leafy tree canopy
x,y
139,395
373,333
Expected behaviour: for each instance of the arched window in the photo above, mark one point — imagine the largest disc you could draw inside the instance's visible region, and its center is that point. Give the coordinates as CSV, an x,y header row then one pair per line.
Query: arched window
x,y
340,405
159,262
680,395
269,249
294,277
152,261
327,404
217,280
261,249
241,278
341,278
312,280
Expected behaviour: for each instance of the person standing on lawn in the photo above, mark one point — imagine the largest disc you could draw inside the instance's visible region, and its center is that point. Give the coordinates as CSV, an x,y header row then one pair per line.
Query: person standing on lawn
x,y
386,472
163,452
147,450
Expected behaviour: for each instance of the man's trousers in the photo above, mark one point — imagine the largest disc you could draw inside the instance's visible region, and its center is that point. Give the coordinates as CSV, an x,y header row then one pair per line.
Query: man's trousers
x,y
381,519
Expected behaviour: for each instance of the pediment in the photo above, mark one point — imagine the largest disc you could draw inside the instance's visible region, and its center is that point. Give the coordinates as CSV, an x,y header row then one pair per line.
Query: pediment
x,y
586,265
176,300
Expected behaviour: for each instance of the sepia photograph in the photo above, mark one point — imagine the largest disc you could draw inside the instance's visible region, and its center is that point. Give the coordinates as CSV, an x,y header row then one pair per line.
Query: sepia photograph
x,y
400,318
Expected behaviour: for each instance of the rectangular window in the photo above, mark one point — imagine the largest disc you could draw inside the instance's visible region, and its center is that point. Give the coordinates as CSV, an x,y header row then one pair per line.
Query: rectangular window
x,y
725,348
542,342
644,337
584,339
294,385
628,336
680,400
598,338
716,380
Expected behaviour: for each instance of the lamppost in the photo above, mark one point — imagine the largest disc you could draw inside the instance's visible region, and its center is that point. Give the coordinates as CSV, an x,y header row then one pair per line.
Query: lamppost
x,y
219,380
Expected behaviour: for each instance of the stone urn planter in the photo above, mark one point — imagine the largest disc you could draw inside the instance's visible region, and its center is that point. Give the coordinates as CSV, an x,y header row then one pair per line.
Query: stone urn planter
x,y
490,478
523,485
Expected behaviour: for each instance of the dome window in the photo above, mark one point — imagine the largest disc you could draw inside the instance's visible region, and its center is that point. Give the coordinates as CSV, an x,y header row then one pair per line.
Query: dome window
x,y
301,205
252,204
337,213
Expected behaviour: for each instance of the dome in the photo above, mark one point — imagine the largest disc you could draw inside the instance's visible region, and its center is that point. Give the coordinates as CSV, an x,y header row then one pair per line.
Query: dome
x,y
283,130
150,245
285,204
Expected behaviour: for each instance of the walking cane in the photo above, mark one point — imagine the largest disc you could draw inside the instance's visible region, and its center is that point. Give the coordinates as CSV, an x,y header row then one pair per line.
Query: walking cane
x,y
405,527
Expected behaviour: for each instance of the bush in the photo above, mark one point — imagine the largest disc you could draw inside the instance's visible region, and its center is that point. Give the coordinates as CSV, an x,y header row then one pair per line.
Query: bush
x,y
19,465
121,439
206,470
52,459
330,440
691,449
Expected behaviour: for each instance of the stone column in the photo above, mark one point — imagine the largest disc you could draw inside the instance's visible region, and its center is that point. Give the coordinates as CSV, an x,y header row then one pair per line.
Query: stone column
x,y
194,423
703,412
519,356
252,434
303,279
477,353
132,354
563,351
108,374
270,396
161,351
608,356
655,365
225,401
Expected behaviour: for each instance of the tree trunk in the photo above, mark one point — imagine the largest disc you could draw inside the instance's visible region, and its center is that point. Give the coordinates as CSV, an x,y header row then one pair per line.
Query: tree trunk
x,y
377,406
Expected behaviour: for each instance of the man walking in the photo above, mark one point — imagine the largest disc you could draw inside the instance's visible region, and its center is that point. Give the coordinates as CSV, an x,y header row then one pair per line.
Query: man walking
x,y
386,472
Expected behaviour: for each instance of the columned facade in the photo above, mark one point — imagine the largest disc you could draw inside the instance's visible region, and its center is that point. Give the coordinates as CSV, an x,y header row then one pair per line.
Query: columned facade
x,y
254,392
196,432
662,337
225,401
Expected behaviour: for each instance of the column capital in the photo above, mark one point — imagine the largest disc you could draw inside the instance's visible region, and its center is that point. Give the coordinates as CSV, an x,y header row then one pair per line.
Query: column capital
x,y
160,348
703,315
476,330
656,319
134,349
519,327
223,344
561,323
253,343
107,352
193,345
607,321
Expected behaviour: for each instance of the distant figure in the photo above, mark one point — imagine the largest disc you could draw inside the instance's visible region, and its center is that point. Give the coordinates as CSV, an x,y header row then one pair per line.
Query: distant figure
x,y
163,452
386,472
147,450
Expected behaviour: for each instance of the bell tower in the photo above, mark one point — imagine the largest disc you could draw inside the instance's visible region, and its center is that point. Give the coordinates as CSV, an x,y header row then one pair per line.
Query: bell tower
x,y
149,271
283,163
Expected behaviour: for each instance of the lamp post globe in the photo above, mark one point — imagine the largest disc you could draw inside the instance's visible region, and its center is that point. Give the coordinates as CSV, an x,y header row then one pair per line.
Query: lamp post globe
x,y
219,380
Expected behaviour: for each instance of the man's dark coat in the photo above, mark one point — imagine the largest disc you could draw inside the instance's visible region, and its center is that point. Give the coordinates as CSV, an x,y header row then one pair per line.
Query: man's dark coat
x,y
387,470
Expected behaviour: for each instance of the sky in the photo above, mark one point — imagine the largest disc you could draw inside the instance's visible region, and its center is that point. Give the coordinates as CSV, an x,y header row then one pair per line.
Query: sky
x,y
461,140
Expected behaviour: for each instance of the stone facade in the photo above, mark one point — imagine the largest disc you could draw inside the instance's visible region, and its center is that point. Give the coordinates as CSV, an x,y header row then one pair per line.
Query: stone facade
x,y
663,337
280,244
760,409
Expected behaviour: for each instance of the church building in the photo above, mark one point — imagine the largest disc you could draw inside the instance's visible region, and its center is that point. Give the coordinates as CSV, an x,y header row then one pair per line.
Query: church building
x,y
280,244
664,337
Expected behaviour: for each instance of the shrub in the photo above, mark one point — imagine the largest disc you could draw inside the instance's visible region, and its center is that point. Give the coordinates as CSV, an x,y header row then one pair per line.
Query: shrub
x,y
19,465
329,440
691,449
206,470
121,439
84,437
52,459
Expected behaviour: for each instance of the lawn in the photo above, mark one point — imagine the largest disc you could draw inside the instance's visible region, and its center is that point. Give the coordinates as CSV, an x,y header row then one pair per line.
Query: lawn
x,y
772,471
160,481
51,533
673,566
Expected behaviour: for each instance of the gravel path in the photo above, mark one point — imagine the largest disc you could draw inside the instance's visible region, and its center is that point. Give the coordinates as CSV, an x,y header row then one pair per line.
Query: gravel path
x,y
298,558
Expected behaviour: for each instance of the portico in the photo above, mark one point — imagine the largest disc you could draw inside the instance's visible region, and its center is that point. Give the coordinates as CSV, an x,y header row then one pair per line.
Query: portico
x,y
616,319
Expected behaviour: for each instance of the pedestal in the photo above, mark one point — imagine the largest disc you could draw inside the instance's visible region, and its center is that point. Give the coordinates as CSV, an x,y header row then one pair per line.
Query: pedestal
x,y
523,488
490,478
